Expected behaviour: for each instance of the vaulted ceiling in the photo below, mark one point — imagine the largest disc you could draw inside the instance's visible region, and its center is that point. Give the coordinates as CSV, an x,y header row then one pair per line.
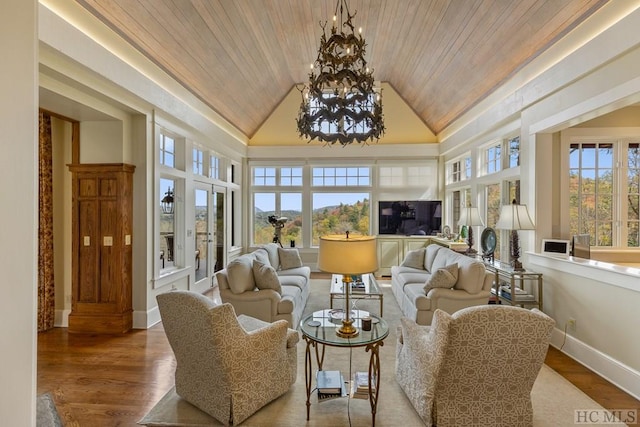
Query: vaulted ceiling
x,y
242,57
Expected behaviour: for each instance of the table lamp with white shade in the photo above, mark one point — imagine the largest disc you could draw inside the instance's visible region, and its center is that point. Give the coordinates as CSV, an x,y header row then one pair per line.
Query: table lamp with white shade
x,y
347,255
515,217
470,217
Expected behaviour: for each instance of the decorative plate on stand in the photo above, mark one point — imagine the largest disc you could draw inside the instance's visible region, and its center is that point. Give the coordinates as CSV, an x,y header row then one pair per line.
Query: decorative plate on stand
x,y
488,242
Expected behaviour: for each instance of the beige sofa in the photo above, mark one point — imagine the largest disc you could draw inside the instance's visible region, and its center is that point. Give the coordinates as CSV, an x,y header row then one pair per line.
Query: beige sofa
x,y
471,287
269,284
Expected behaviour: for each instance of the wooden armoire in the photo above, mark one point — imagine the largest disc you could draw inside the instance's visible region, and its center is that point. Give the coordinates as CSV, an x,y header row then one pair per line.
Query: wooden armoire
x,y
102,241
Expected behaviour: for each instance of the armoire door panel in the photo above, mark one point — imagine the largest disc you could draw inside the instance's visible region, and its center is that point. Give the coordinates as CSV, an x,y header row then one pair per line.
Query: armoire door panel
x,y
88,224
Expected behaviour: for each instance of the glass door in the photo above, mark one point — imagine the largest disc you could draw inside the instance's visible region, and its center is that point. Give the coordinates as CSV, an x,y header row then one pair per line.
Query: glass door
x,y
219,229
203,232
209,231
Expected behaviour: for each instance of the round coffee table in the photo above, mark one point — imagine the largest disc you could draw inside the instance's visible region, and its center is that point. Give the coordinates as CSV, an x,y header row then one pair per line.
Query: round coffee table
x,y
319,329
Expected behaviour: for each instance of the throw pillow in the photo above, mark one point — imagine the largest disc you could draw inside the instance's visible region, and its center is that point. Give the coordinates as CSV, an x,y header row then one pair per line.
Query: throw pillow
x,y
262,255
289,258
266,277
240,275
444,277
414,259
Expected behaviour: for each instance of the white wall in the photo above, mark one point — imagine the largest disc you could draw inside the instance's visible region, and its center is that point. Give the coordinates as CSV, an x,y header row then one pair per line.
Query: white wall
x,y
18,214
61,134
102,142
604,302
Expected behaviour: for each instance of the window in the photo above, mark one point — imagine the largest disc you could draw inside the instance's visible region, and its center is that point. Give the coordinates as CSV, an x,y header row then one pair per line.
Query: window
x,y
264,176
278,205
270,201
467,168
167,151
514,152
291,176
492,159
167,223
494,205
341,176
333,126
459,170
198,162
391,176
409,174
633,195
591,189
214,167
337,213
419,175
455,172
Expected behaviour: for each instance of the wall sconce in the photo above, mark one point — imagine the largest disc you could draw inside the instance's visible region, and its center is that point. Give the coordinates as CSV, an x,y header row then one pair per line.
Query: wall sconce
x,y
167,202
515,217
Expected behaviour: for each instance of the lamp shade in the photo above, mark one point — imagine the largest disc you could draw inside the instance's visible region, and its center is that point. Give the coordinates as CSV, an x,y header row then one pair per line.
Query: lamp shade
x,y
515,217
348,254
470,216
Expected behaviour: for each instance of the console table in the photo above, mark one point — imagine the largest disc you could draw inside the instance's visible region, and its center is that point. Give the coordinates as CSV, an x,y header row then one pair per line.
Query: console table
x,y
319,330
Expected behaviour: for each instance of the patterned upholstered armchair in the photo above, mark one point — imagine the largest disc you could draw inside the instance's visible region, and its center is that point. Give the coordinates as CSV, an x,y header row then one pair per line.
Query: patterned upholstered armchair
x,y
476,366
227,366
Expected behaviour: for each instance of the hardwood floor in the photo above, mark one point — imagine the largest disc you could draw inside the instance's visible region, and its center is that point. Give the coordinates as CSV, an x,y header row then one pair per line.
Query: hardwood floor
x,y
108,381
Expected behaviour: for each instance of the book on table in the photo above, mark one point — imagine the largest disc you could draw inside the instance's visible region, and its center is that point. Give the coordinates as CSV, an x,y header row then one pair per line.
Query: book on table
x,y
358,287
329,382
360,385
521,294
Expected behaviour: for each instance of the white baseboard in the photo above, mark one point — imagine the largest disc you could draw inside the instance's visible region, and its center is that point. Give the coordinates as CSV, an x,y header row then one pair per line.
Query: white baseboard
x,y
61,319
146,319
615,372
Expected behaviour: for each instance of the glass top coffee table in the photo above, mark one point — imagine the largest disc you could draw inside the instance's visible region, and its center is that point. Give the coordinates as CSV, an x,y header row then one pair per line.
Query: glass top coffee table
x,y
319,329
371,290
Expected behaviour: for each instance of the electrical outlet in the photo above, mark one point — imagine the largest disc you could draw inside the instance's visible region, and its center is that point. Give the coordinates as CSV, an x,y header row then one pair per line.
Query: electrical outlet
x,y
571,324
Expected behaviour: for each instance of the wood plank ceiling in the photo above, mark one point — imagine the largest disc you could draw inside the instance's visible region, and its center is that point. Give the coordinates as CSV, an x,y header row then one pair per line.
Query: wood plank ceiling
x,y
241,57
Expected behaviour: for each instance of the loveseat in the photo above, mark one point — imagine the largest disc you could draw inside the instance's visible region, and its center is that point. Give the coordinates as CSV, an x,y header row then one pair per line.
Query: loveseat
x,y
269,284
437,277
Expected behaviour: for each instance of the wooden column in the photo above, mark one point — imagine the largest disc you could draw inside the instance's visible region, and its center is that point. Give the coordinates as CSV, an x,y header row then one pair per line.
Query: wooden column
x,y
102,242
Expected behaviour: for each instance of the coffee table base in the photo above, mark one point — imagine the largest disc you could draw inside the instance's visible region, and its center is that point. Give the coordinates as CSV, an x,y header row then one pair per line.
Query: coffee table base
x,y
374,372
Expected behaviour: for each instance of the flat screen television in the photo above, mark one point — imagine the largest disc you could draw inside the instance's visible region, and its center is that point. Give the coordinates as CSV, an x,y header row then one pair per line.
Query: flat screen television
x,y
410,217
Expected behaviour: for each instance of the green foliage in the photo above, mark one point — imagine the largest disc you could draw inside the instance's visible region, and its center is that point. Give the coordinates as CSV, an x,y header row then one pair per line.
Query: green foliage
x,y
338,219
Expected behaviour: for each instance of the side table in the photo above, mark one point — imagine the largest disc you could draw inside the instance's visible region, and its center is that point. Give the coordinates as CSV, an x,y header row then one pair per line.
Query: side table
x,y
319,330
528,281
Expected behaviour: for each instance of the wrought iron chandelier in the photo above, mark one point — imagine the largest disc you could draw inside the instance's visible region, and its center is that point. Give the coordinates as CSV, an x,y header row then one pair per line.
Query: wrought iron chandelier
x,y
341,103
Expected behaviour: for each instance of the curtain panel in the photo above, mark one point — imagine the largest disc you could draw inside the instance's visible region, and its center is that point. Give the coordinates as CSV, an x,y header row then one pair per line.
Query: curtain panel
x,y
46,285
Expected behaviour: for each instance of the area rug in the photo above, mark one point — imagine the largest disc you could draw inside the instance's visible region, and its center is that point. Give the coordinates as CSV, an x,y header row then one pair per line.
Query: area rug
x,y
554,398
46,412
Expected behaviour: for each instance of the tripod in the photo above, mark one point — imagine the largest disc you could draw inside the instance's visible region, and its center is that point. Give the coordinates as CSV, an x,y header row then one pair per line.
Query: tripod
x,y
277,232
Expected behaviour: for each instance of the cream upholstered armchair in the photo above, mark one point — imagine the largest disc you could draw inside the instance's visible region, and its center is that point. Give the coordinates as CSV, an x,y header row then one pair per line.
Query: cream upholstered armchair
x,y
227,366
476,366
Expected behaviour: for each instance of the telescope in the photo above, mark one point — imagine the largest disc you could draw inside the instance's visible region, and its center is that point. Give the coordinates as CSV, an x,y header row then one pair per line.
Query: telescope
x,y
277,222
278,225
